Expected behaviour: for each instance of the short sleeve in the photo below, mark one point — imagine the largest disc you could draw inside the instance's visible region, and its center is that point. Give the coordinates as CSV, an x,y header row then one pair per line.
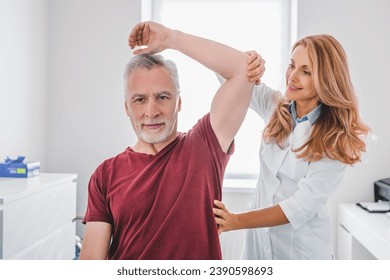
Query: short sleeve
x,y
264,101
97,201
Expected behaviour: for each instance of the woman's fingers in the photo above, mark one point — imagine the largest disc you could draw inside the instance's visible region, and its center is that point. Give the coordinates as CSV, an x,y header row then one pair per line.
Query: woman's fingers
x,y
256,67
219,213
254,60
219,204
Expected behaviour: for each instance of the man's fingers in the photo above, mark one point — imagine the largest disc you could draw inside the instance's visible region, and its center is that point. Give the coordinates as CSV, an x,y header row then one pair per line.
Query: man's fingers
x,y
133,35
139,35
141,51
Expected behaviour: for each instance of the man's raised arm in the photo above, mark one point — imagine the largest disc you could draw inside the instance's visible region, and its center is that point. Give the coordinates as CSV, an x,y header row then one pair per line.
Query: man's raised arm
x,y
231,101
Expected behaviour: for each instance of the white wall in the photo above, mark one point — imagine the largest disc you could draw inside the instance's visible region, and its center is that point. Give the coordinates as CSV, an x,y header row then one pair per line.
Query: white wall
x,y
88,50
362,28
23,79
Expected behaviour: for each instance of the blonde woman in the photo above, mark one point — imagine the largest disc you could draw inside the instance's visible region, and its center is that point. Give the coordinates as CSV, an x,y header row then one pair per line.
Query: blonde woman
x,y
312,133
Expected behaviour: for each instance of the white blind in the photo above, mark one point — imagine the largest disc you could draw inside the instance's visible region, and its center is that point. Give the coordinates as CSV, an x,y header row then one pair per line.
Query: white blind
x,y
261,25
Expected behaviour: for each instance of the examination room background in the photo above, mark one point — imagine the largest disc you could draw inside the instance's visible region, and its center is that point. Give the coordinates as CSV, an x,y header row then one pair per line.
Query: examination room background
x,y
61,88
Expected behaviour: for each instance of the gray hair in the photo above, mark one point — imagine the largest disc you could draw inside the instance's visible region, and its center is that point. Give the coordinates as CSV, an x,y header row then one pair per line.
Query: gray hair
x,y
148,61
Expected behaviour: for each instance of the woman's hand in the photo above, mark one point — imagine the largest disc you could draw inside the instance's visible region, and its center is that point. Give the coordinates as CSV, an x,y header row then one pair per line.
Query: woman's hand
x,y
225,220
151,35
256,67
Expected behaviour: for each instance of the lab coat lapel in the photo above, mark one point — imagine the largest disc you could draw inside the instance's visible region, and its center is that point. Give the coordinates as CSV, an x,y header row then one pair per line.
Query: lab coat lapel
x,y
276,155
271,158
300,134
296,168
296,139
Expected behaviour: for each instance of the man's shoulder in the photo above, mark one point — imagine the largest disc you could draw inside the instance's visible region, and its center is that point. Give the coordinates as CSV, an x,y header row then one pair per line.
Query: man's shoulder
x,y
110,161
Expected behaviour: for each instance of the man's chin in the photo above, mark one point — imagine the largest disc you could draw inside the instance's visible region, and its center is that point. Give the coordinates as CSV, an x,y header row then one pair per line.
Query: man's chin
x,y
157,139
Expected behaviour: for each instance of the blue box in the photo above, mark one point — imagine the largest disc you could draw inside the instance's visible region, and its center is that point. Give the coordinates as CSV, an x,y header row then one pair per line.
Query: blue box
x,y
16,168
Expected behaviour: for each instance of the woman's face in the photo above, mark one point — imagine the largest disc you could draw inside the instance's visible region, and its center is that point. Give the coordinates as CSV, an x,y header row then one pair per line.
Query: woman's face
x,y
299,82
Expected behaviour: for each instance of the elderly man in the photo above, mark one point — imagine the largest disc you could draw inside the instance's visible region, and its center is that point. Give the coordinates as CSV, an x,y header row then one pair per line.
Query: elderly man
x,y
155,199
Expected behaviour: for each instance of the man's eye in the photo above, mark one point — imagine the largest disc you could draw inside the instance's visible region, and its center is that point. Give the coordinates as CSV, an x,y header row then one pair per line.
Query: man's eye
x,y
162,97
139,100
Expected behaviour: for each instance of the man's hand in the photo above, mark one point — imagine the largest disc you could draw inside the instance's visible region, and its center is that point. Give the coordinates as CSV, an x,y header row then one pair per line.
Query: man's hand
x,y
256,67
150,35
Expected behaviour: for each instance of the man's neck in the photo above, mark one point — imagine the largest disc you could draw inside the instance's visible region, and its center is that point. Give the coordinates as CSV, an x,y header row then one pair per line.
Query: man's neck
x,y
152,148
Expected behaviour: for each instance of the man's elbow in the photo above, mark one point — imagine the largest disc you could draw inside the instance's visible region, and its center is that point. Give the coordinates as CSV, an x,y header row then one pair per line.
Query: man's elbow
x,y
239,70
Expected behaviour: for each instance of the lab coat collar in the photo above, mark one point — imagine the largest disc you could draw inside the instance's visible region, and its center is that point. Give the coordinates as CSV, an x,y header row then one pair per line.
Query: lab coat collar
x,y
312,116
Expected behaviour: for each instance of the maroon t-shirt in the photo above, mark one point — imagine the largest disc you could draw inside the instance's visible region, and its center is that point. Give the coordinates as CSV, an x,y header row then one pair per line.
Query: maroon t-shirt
x,y
160,206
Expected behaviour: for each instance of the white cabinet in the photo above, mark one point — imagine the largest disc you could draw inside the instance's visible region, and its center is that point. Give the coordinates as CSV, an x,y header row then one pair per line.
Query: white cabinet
x,y
37,217
362,235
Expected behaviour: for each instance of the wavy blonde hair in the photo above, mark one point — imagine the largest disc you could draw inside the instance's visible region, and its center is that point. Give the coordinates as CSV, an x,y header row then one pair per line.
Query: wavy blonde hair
x,y
338,132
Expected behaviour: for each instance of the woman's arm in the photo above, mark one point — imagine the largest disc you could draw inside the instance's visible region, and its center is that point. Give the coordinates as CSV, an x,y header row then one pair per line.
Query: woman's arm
x,y
266,217
313,191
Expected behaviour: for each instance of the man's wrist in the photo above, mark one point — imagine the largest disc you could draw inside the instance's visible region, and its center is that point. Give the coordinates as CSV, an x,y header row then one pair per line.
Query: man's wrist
x,y
172,39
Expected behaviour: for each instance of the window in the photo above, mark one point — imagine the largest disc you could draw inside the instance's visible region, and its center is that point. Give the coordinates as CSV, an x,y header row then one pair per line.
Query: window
x,y
261,25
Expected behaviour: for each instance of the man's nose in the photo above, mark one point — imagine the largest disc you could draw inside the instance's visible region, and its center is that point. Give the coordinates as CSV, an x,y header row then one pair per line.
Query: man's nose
x,y
152,109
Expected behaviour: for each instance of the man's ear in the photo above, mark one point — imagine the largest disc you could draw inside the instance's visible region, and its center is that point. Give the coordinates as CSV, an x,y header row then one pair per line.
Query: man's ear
x,y
127,109
179,105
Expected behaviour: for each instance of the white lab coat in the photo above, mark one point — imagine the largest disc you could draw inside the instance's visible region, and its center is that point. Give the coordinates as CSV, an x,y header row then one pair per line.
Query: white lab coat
x,y
301,188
